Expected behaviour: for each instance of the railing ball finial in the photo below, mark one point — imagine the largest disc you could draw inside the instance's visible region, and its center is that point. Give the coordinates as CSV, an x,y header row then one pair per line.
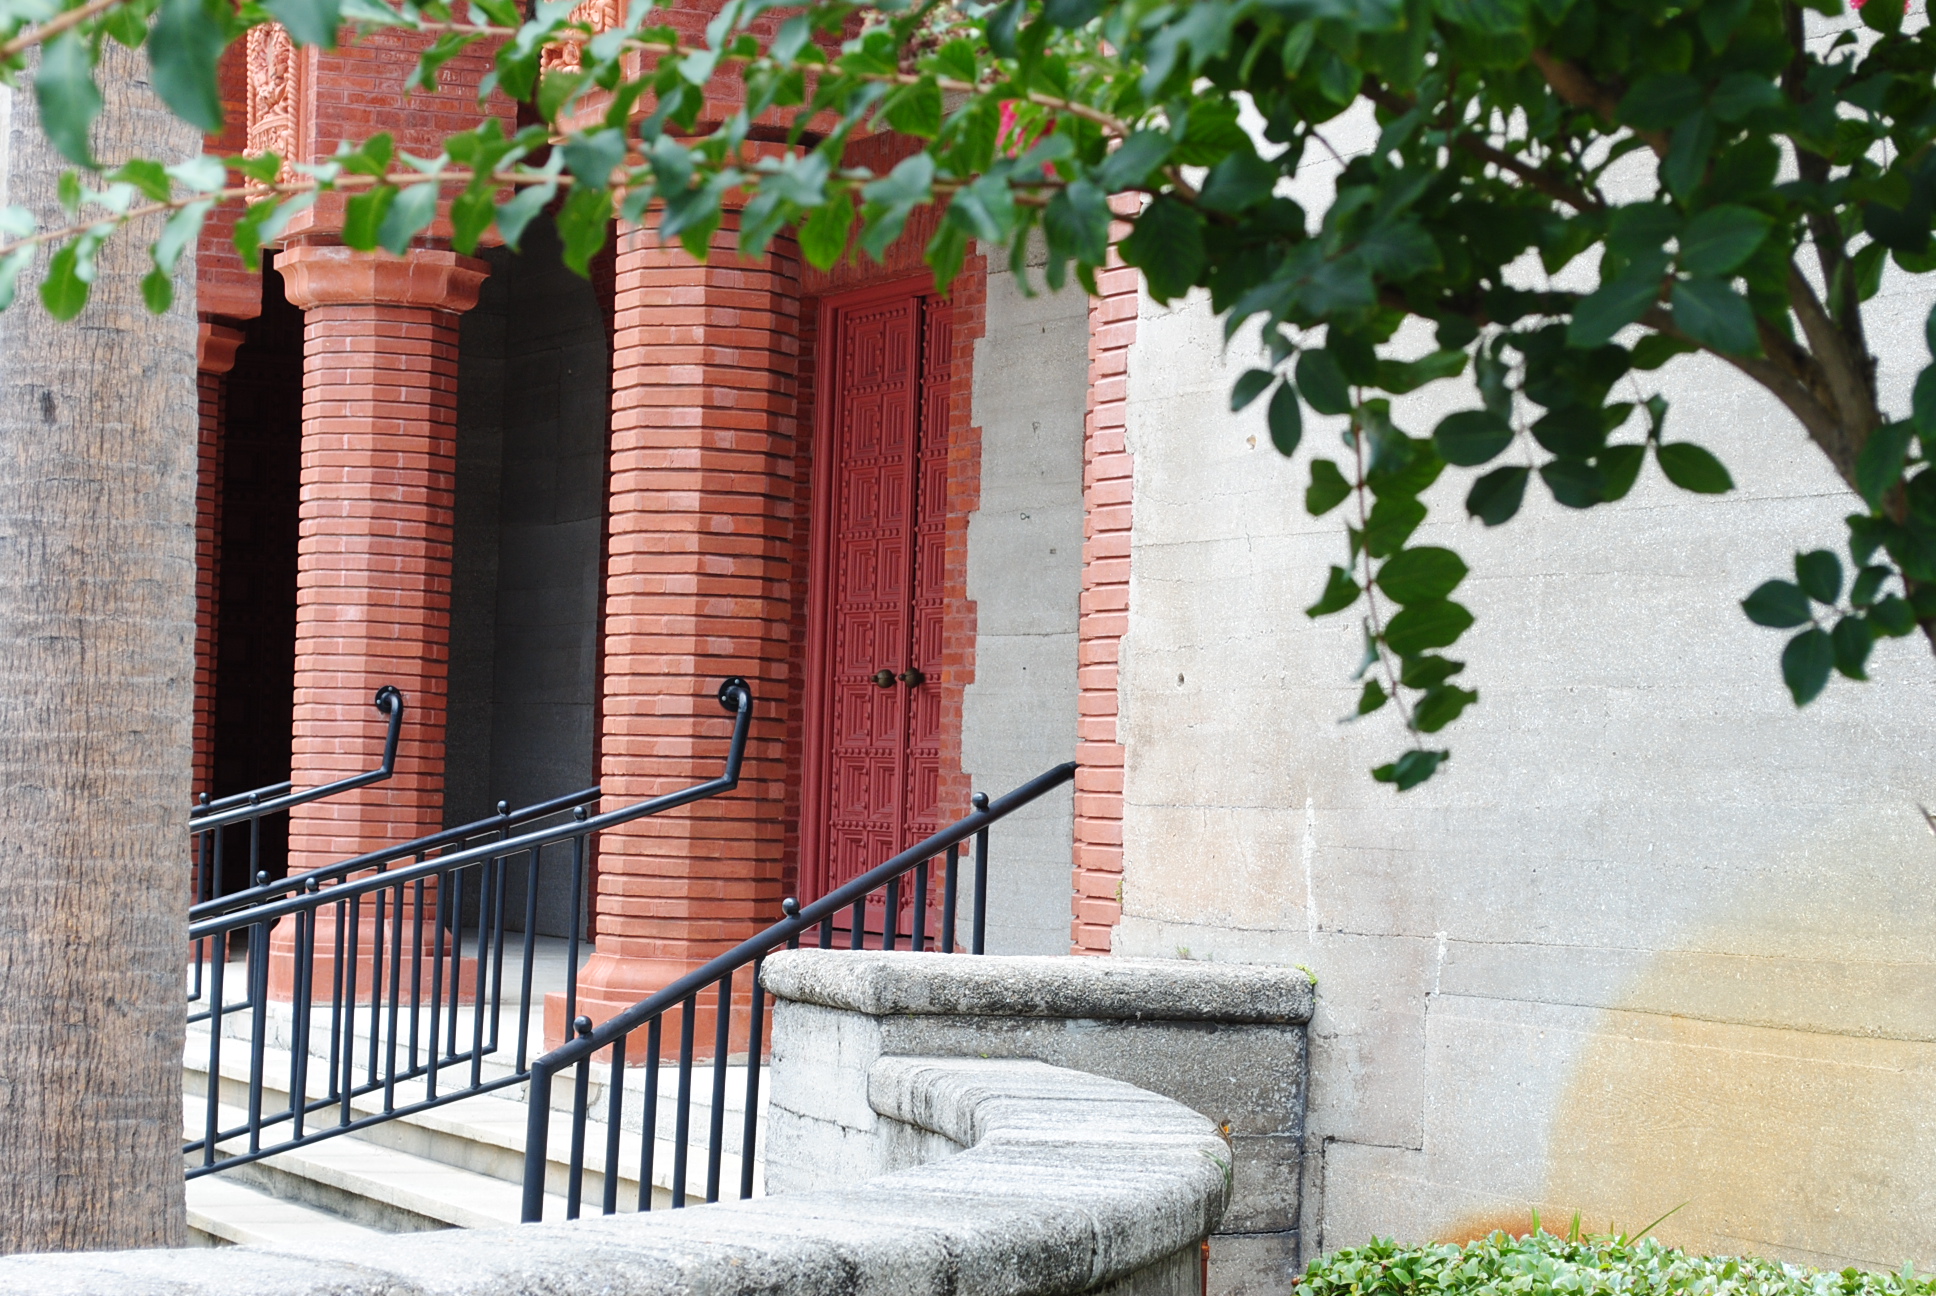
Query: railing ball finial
x,y
504,809
979,801
578,813
262,878
581,1026
790,907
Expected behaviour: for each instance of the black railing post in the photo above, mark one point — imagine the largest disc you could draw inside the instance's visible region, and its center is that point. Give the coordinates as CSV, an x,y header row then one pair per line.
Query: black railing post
x,y
948,894
980,802
537,1136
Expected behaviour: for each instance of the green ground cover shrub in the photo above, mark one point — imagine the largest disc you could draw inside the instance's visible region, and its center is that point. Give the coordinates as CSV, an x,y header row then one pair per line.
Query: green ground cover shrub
x,y
1589,1265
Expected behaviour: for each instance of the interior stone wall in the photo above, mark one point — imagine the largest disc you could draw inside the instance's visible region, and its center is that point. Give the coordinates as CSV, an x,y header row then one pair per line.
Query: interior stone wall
x,y
533,392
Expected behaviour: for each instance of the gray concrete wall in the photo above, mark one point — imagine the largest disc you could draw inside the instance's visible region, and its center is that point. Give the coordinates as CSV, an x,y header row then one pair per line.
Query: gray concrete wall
x,y
1025,578
1656,939
533,392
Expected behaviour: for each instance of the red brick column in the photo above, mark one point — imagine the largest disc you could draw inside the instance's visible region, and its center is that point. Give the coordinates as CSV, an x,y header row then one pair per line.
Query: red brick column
x,y
373,560
215,356
704,374
1104,615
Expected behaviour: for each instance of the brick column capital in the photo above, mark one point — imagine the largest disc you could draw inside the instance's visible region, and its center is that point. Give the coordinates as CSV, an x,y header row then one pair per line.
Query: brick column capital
x,y
333,275
215,347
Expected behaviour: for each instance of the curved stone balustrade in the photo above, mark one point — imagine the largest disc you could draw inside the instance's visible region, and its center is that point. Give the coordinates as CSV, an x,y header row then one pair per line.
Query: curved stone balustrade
x,y
1069,1183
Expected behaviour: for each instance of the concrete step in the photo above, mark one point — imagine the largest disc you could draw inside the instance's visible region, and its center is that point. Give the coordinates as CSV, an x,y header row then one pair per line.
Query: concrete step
x,y
222,1212
376,1187
482,1135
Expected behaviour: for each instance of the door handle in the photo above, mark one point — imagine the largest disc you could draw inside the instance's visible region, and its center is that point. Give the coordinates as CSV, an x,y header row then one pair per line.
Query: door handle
x,y
912,677
884,678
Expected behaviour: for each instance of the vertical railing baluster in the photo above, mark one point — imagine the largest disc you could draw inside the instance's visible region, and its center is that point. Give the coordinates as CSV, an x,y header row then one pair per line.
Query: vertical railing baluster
x,y
433,1035
580,1113
498,870
948,893
349,1008
530,935
980,802
749,1131
827,932
477,980
682,1114
890,921
614,1114
258,968
379,939
649,1112
577,917
336,1001
215,976
919,933
416,968
859,918
299,1017
454,915
716,1132
395,941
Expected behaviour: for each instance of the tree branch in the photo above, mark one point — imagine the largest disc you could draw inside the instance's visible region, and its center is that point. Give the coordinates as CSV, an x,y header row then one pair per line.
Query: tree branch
x,y
1573,84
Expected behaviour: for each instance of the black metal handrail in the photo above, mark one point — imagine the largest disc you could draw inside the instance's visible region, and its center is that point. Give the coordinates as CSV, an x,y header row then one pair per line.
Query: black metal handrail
x,y
207,821
849,901
379,859
392,1030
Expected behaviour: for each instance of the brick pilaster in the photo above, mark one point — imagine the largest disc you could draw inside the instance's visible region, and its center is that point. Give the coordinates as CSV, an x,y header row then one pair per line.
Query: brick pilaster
x,y
1104,615
373,559
215,356
702,497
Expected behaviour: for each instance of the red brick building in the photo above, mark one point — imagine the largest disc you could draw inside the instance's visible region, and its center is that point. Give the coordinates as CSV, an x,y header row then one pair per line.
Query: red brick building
x,y
556,512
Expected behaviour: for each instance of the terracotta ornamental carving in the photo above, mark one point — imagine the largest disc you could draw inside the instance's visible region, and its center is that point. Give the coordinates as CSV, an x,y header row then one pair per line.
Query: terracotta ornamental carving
x,y
273,72
602,15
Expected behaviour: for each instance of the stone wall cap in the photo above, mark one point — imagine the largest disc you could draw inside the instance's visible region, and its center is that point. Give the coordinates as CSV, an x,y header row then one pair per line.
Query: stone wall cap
x,y
885,984
318,275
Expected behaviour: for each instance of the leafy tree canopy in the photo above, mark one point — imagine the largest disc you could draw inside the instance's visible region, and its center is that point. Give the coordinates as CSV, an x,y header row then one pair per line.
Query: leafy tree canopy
x,y
1736,173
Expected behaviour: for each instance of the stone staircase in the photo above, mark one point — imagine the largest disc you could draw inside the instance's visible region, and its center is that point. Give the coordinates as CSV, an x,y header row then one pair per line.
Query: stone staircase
x,y
455,1166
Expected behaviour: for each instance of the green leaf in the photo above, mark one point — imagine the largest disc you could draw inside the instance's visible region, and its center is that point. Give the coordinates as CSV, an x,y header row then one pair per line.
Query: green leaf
x,y
514,214
583,223
1239,182
1715,315
1819,573
1619,467
1373,697
915,110
1779,605
1411,769
68,98
364,214
1249,387
1742,93
1868,584
1495,497
1166,244
1692,468
1400,377
1893,616
10,268
1431,623
1392,521
1415,575
158,291
1617,303
1129,166
1471,437
1805,664
1721,238
1441,706
1076,221
470,215
1922,404
1327,490
151,178
413,210
1853,638
1322,382
823,237
1070,13
1286,420
309,22
1656,349
1340,591
592,158
1575,483
64,291
1424,672
187,40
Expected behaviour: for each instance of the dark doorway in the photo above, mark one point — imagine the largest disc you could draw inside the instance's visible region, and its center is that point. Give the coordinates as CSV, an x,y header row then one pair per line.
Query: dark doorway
x,y
256,600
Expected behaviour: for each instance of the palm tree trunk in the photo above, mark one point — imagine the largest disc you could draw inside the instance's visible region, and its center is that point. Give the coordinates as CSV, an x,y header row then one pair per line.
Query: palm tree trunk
x,y
97,642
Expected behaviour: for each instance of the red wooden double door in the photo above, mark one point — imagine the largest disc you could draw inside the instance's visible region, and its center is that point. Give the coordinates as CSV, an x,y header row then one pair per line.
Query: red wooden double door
x,y
880,631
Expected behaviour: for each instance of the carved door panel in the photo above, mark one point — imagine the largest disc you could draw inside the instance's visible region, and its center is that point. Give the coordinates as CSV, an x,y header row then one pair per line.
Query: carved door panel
x,y
886,460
